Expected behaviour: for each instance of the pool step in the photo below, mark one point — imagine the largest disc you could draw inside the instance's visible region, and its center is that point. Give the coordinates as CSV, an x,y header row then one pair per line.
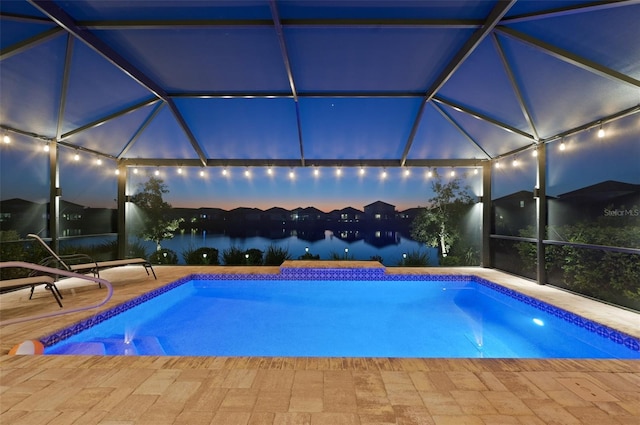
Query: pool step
x,y
143,346
85,349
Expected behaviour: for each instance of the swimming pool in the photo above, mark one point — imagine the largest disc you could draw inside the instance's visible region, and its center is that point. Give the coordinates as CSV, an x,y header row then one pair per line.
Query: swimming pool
x,y
340,313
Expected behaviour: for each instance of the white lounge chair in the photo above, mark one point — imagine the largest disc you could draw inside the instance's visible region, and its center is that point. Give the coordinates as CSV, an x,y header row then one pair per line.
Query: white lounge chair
x,y
81,263
9,285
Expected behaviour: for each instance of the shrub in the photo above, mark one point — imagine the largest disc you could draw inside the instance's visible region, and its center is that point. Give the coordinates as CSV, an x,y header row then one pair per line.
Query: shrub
x,y
309,256
164,256
254,257
276,255
204,255
415,259
234,256
334,256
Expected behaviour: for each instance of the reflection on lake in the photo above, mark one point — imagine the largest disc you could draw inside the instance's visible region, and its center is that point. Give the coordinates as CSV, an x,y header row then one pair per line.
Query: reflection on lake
x,y
362,245
390,245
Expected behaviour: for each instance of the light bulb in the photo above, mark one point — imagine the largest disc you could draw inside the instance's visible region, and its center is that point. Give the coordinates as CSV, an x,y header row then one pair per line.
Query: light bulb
x,y
157,172
452,173
202,173
224,172
601,133
497,165
407,172
515,162
98,161
361,171
179,170
269,171
6,139
46,147
338,171
76,157
562,146
534,153
384,174
292,175
316,172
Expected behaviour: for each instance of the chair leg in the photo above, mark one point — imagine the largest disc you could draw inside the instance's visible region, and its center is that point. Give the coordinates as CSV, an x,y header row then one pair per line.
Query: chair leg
x,y
33,287
55,292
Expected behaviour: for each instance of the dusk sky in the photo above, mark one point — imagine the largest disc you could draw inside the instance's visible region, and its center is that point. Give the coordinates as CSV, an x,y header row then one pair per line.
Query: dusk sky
x,y
24,174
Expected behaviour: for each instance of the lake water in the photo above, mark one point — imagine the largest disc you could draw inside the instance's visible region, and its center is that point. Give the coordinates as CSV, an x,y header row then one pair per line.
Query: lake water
x,y
389,245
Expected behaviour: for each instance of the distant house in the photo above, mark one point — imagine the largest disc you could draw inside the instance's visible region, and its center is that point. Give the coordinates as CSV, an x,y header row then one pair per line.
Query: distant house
x,y
310,214
277,214
410,214
23,216
347,215
380,211
245,214
610,200
513,212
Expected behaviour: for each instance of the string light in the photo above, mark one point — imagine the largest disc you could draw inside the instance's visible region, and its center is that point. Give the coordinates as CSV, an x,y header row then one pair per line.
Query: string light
x,y
98,161
247,173
429,173
316,172
534,153
515,162
6,139
135,171
202,174
270,171
76,157
384,174
562,145
338,171
497,165
117,172
292,175
224,172
407,172
157,172
362,171
179,170
452,173
601,132
46,147
475,171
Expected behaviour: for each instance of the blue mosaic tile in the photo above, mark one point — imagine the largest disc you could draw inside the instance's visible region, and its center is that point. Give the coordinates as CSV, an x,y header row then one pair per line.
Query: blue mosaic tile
x,y
596,328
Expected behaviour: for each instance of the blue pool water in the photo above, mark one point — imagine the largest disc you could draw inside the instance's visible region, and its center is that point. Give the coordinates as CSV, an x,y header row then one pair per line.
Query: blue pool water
x,y
330,318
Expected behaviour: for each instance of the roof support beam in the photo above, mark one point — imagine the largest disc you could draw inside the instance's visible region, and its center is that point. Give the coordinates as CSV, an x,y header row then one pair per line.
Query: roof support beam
x,y
23,45
460,129
515,86
109,117
65,86
294,163
250,23
569,10
571,58
483,117
287,65
500,9
59,16
140,130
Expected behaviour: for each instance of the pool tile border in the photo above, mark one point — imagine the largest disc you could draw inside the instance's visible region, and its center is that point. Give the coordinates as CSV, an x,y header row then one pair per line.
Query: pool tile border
x,y
351,274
